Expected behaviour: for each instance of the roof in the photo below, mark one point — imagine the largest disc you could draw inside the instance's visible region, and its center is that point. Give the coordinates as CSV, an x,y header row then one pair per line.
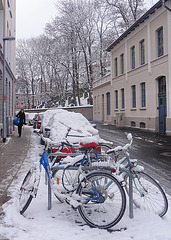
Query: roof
x,y
136,24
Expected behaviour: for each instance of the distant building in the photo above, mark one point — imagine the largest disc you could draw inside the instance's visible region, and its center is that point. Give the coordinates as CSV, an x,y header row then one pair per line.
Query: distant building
x,y
137,92
7,29
22,100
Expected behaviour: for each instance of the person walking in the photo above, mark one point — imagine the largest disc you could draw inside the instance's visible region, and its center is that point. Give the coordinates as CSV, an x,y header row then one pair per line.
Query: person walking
x,y
21,115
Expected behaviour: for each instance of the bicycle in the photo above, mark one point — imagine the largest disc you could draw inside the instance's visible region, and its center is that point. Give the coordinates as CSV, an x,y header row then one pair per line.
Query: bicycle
x,y
66,146
97,195
147,193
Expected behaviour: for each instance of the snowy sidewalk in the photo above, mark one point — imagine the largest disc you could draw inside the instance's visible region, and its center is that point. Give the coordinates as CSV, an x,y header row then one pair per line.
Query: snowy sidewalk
x,y
12,154
62,222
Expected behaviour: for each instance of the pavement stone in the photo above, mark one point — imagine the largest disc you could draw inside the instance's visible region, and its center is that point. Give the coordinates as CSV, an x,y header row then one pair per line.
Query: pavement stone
x,y
12,154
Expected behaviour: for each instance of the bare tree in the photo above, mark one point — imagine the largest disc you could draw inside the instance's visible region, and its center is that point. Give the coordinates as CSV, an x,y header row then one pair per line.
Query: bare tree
x,y
71,53
129,11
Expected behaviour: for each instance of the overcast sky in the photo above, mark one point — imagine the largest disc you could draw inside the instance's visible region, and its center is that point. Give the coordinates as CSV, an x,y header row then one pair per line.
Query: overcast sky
x,y
32,15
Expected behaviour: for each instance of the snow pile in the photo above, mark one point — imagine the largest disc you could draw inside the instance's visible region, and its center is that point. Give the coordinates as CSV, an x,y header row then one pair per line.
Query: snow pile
x,y
58,121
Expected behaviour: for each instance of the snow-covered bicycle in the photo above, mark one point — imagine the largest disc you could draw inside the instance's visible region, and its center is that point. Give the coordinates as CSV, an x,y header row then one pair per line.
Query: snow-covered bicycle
x,y
95,193
147,192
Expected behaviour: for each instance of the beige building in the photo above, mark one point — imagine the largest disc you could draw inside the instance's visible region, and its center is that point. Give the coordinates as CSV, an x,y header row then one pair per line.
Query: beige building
x,y
7,47
137,92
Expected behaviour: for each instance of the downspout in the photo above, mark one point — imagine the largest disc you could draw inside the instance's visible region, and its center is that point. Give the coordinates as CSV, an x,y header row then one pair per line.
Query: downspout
x,y
168,129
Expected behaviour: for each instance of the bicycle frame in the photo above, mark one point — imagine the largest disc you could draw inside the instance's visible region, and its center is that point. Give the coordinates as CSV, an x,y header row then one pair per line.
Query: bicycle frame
x,y
76,200
130,167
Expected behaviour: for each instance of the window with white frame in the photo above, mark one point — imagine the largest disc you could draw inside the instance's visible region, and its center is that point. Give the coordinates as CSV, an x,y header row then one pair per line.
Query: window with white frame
x,y
142,52
133,57
143,95
122,63
122,98
160,48
133,96
116,67
108,102
116,99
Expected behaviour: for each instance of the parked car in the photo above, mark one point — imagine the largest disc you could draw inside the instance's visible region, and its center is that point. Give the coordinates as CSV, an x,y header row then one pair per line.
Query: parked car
x,y
29,118
37,120
55,124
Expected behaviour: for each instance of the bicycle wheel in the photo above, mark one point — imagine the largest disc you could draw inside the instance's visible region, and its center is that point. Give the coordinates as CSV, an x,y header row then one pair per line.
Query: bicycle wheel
x,y
57,176
147,193
70,179
28,189
107,211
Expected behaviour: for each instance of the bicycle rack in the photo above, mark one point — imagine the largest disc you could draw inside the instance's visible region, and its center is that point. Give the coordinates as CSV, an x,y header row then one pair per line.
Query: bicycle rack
x,y
130,192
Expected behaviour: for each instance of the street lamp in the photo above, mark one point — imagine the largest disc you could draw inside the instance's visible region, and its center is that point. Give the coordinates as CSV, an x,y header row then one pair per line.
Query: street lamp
x,y
10,38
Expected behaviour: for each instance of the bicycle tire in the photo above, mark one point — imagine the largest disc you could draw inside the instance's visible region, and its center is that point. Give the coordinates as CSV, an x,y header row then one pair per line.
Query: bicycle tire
x,y
26,190
54,175
68,178
105,214
147,193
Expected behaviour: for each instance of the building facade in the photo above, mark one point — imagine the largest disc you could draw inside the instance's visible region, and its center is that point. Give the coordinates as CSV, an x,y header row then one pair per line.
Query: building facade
x,y
7,46
137,92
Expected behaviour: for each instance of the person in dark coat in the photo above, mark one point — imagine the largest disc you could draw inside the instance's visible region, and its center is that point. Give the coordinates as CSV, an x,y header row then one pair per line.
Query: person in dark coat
x,y
21,115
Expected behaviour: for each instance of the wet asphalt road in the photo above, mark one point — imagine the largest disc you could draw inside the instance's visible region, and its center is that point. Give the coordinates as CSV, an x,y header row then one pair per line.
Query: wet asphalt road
x,y
153,150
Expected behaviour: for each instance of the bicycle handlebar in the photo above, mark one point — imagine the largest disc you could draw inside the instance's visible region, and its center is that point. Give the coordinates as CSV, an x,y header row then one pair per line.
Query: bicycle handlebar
x,y
124,148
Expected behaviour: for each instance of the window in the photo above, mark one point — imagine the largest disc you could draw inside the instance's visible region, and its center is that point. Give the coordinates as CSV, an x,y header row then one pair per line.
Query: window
x,y
116,99
108,103
133,96
116,67
133,124
94,103
98,107
162,85
0,75
160,41
122,63
142,52
142,125
133,57
143,98
8,3
122,98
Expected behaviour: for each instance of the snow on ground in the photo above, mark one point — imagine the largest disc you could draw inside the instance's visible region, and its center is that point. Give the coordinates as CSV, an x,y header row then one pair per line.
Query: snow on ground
x,y
64,223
